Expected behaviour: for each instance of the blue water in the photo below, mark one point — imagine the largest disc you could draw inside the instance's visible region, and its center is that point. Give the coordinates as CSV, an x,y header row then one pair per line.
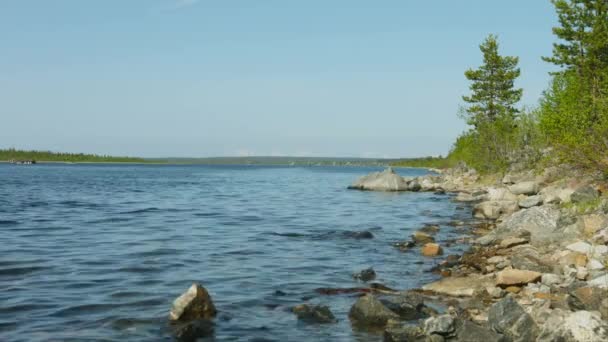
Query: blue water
x,y
99,252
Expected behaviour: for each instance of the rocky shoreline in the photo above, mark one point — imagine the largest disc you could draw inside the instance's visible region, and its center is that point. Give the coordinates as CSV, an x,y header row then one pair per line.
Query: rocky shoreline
x,y
536,270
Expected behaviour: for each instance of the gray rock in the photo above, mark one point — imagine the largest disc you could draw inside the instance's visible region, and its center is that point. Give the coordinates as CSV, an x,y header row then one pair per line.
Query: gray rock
x,y
314,313
540,222
530,202
365,275
404,333
564,326
193,330
524,188
193,304
507,317
414,185
492,210
409,306
584,194
441,325
601,281
471,332
550,279
386,180
369,311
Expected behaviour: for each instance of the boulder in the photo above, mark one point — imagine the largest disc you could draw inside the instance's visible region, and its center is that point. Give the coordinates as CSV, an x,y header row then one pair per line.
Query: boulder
x,y
500,194
440,325
193,304
404,333
550,279
530,202
386,180
460,286
584,194
431,249
507,317
601,281
192,331
524,188
422,237
580,247
409,306
514,277
512,242
587,298
540,222
573,327
492,210
365,275
471,332
593,223
314,313
414,185
369,311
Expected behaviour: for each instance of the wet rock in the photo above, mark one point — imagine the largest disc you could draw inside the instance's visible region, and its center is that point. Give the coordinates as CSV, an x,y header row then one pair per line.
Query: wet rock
x,y
193,304
460,286
314,313
430,229
441,325
193,330
431,249
414,185
422,237
468,331
405,245
386,180
362,235
367,274
530,202
404,333
369,311
524,188
574,326
409,306
507,317
514,277
584,194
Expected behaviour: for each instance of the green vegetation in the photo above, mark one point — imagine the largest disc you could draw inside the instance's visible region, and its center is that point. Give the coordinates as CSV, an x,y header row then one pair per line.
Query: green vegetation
x,y
47,156
432,162
570,123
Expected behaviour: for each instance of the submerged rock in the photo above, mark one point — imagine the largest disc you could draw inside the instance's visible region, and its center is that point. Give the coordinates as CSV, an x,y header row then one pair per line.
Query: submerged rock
x,y
314,313
422,237
431,249
193,330
386,180
369,311
365,275
404,333
193,304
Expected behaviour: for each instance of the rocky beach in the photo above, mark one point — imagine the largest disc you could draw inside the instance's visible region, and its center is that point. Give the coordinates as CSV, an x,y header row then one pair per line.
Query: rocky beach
x,y
536,269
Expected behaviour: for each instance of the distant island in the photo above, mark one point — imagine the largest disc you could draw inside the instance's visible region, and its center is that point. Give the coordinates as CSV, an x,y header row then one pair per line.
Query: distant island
x,y
59,157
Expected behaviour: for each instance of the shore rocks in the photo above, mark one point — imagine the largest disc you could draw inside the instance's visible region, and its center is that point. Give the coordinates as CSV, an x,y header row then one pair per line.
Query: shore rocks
x,y
193,304
584,194
369,311
509,318
460,286
314,313
431,249
492,210
441,325
540,222
420,237
386,180
530,202
524,188
409,306
514,277
574,326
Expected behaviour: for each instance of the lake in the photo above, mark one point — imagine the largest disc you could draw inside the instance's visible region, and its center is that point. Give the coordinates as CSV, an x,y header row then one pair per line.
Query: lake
x,y
99,252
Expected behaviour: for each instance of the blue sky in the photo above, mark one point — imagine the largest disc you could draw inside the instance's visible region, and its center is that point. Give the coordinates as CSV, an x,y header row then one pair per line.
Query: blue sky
x,y
253,77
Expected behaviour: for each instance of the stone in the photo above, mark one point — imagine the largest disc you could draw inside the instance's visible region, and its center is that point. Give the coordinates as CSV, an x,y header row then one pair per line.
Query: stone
x,y
404,333
581,273
595,265
460,286
369,311
466,197
422,237
495,292
600,251
193,330
513,289
587,298
500,194
492,210
314,313
580,247
593,223
530,202
430,229
530,263
441,325
409,306
414,185
524,188
468,331
431,249
514,277
512,241
601,281
193,304
584,194
550,279
509,318
567,326
497,259
367,274
386,180
540,222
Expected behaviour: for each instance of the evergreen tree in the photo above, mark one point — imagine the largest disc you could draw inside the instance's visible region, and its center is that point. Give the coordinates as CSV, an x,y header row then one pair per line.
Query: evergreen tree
x,y
493,94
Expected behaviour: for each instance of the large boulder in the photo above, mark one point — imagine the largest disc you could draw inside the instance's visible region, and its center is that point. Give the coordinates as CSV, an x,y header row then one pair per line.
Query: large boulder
x,y
531,201
513,277
500,194
386,180
565,326
409,306
471,332
540,222
507,317
492,210
194,304
440,325
524,188
460,286
369,311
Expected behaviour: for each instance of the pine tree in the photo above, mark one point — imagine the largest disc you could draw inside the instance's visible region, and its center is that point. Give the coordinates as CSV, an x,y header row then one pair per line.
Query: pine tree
x,y
493,94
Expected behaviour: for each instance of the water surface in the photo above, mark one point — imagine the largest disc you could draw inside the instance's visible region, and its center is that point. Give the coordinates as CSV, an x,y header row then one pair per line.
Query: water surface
x,y
99,252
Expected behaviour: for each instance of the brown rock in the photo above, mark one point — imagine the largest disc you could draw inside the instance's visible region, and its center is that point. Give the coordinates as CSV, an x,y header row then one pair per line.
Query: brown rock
x,y
580,260
513,289
422,237
431,249
593,223
193,304
515,277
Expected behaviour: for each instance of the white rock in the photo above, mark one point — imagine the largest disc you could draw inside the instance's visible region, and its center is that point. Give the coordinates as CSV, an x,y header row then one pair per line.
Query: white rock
x,y
601,282
550,279
599,251
593,264
524,188
581,273
580,246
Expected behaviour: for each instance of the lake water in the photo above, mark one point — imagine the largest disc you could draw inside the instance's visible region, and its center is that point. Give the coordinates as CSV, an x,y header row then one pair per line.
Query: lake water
x,y
99,252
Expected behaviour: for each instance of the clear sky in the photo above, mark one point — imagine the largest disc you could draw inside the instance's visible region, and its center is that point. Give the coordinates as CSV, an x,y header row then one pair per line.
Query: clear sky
x,y
253,77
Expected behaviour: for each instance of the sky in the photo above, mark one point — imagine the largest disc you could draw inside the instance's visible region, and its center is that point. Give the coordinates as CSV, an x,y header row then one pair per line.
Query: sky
x,y
198,78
